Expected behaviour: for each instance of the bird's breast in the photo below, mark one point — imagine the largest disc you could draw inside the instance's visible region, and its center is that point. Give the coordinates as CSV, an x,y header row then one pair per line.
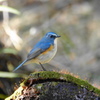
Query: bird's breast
x,y
47,55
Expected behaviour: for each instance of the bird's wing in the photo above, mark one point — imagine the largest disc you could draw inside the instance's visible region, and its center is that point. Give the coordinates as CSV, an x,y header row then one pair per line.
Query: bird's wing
x,y
34,53
38,50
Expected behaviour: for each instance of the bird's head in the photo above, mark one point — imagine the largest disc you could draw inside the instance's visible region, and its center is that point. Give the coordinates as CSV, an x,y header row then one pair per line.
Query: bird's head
x,y
51,35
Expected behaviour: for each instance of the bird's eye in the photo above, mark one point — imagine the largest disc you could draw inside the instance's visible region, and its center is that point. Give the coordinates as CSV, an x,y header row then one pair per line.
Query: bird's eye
x,y
52,36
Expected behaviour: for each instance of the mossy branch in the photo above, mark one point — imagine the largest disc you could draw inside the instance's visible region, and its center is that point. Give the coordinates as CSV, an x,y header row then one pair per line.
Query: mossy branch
x,y
45,85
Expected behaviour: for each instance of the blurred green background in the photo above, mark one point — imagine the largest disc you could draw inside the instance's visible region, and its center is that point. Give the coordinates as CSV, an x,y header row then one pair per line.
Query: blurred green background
x,y
77,21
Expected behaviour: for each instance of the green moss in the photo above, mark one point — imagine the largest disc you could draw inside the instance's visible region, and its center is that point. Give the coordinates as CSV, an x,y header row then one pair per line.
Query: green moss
x,y
46,75
66,77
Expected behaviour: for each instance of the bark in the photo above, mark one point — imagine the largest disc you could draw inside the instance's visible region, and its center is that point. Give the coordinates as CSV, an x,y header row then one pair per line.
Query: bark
x,y
48,85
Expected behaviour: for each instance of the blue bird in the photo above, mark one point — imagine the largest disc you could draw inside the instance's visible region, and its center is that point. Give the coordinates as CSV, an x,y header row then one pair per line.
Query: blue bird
x,y
43,51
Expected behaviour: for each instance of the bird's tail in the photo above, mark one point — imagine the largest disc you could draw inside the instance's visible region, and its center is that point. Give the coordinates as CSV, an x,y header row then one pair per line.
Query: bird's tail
x,y
20,65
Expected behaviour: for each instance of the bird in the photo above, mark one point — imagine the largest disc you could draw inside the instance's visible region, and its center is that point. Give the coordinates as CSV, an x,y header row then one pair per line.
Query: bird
x,y
43,51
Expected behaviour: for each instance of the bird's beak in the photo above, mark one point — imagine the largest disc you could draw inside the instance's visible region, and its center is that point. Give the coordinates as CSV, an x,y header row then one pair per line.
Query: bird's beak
x,y
58,36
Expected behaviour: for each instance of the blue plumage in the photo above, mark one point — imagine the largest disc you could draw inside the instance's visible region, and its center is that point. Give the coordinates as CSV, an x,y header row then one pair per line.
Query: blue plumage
x,y
43,51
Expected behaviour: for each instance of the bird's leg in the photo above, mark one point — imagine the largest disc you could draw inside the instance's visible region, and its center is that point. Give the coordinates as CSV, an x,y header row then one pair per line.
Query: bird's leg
x,y
42,66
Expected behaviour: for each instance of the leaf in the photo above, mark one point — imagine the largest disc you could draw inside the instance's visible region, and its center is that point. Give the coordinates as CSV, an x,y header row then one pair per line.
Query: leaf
x,y
9,9
11,75
8,50
2,0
